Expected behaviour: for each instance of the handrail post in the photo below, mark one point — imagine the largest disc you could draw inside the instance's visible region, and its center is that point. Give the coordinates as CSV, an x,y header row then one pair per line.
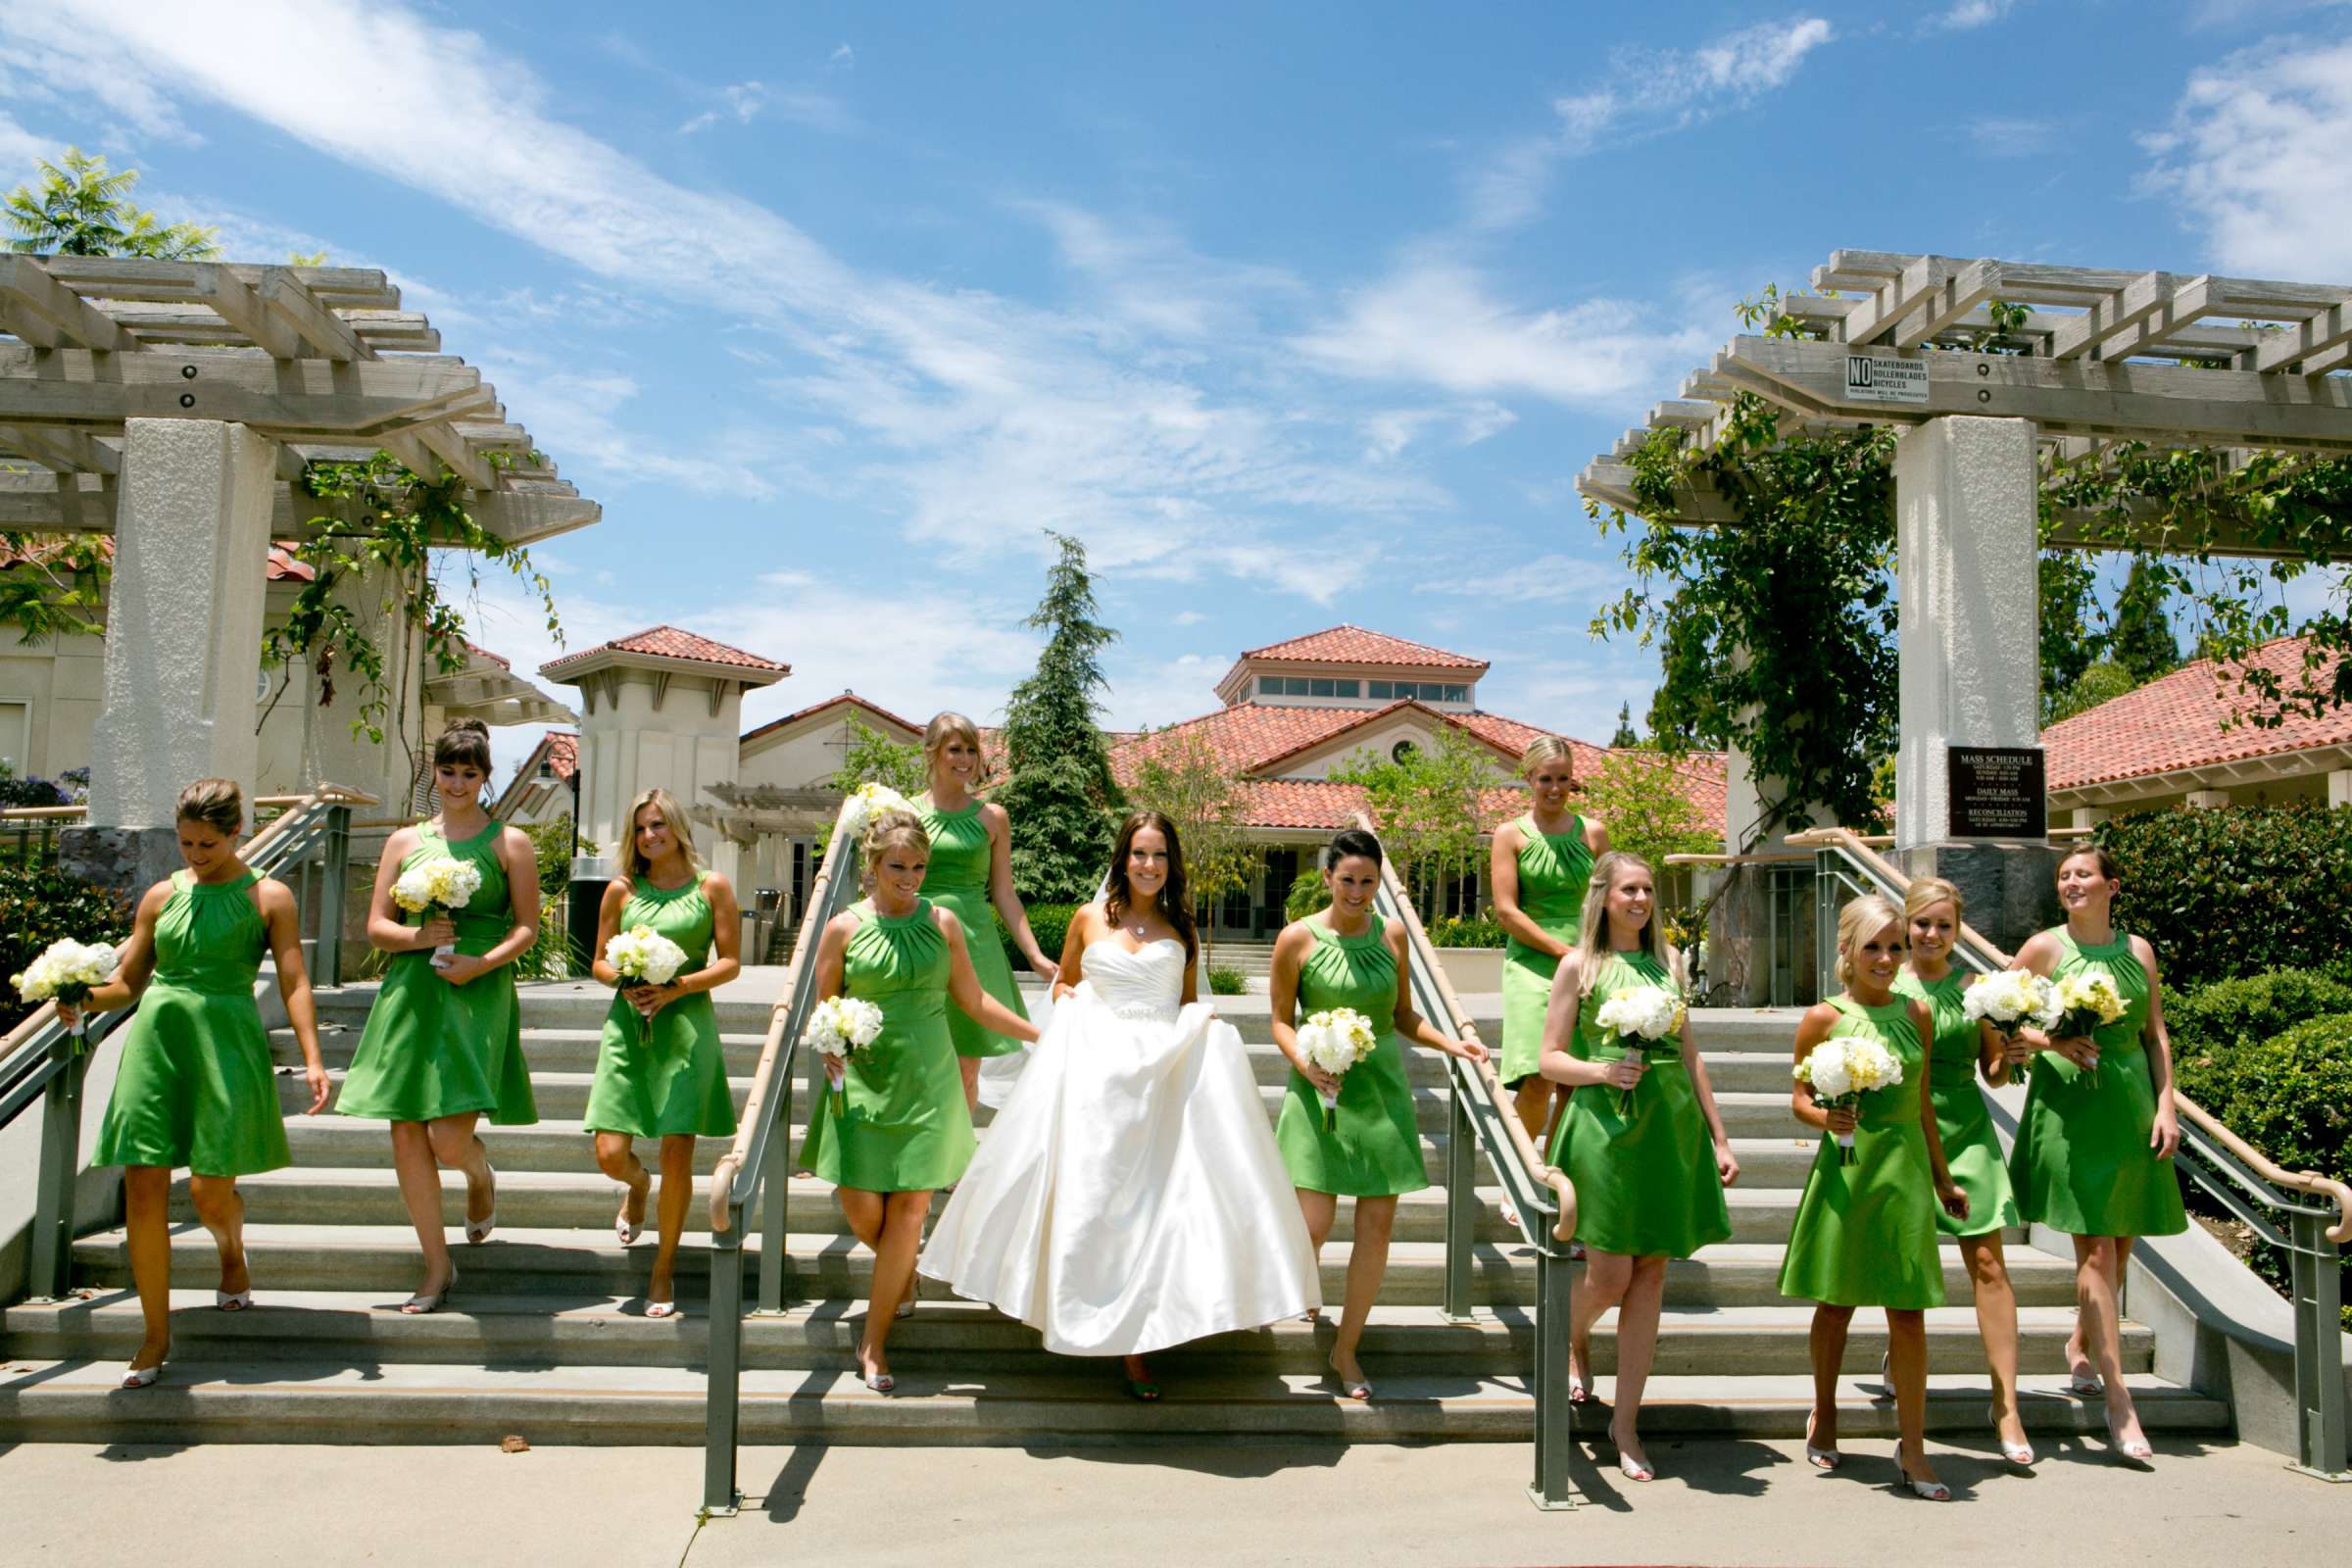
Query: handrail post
x,y
2318,1280
327,967
52,1259
775,1178
719,1413
1461,1200
1825,926
1555,1418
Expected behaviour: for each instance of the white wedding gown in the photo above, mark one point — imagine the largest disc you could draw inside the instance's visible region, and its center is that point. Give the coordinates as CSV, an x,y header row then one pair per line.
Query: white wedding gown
x,y
1129,1197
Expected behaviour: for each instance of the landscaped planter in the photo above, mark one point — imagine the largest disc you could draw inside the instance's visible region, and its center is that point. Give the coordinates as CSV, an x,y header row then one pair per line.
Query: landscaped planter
x,y
1470,969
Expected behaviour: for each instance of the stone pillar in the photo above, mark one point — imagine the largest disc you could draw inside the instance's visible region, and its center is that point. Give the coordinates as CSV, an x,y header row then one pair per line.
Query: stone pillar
x,y
2210,799
2339,788
2090,815
183,638
1968,546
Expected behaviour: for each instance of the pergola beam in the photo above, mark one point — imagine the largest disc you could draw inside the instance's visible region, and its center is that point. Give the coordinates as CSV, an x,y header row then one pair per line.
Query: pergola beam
x,y
38,501
35,307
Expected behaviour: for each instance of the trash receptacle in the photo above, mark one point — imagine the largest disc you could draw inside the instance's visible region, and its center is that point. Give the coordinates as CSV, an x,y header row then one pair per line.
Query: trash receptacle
x,y
589,874
766,901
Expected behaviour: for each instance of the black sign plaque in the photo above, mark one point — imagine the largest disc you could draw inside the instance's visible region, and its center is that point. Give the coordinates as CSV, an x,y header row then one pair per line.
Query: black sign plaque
x,y
1997,792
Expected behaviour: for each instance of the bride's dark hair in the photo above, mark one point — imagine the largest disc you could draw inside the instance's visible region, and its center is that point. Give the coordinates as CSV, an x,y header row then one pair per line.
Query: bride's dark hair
x,y
1175,897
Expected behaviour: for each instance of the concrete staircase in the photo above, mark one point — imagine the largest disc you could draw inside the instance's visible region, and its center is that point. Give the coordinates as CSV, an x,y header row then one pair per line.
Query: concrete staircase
x,y
546,1334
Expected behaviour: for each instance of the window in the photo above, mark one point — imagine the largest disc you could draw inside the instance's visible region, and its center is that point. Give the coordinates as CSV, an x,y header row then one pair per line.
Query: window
x,y
16,736
1344,688
1320,686
1401,750
1379,689
1458,693
1270,685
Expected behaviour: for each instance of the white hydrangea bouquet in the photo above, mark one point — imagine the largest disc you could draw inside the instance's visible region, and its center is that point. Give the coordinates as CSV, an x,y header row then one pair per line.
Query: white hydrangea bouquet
x,y
1334,1040
1842,1069
2087,999
67,971
842,1026
643,957
2011,999
1635,1014
864,803
441,885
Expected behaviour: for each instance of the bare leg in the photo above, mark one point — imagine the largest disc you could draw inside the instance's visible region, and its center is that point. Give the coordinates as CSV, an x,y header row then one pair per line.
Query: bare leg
x,y
2097,1270
863,1211
969,1066
616,1158
1997,1326
1825,1345
1607,1276
1321,1210
901,1237
678,1195
1907,1363
420,1192
146,1202
221,1210
1637,1348
456,1147
1533,1099
1367,1264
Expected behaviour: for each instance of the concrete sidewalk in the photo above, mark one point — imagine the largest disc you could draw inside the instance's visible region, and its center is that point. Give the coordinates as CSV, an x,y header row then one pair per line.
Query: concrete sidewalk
x,y
1457,1507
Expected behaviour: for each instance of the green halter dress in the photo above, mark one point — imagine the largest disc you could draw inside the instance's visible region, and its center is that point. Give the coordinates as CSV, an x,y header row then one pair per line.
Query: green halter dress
x,y
196,1087
1646,1182
1865,1234
674,1079
2081,1164
1553,870
432,1049
1375,1152
1963,1121
906,1129
957,882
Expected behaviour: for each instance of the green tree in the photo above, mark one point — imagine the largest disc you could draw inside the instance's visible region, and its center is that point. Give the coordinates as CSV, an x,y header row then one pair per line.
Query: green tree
x,y
1425,806
1627,735
1182,779
873,758
2143,642
1058,788
1641,801
83,210
2099,683
2069,645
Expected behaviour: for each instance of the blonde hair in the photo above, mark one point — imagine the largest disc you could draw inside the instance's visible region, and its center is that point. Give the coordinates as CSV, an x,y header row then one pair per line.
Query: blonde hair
x,y
1857,923
1546,749
1928,891
634,863
946,727
215,803
888,828
1592,931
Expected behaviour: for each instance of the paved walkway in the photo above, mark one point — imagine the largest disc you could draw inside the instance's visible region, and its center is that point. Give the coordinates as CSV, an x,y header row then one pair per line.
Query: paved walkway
x,y
1455,1507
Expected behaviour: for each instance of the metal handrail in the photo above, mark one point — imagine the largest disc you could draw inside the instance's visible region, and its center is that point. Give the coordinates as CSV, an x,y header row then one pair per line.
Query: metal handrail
x,y
763,1137
2244,1179
1543,1198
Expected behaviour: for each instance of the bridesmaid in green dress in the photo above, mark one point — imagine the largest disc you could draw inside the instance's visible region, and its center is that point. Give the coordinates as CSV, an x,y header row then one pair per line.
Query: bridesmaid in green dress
x,y
971,871
1649,1177
1961,1047
907,1131
1541,864
1347,956
2094,1155
1865,1234
195,1085
443,1045
660,1070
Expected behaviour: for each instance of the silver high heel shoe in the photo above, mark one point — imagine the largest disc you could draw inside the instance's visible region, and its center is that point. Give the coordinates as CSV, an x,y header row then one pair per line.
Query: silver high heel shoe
x,y
419,1304
2020,1455
1933,1491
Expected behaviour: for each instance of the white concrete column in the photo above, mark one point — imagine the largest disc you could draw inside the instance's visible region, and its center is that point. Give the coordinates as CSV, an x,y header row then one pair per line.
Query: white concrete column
x,y
2090,815
2339,788
2208,800
1967,543
183,621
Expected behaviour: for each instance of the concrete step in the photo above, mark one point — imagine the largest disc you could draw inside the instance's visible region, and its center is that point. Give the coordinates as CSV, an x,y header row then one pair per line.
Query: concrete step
x,y
1063,1402
829,1265
947,1335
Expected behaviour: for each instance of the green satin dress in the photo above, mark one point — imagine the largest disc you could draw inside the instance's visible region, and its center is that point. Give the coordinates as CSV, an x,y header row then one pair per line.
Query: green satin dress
x,y
1645,1179
1963,1121
432,1049
906,1129
1553,870
2081,1162
196,1087
957,882
1375,1151
673,1080
1865,1234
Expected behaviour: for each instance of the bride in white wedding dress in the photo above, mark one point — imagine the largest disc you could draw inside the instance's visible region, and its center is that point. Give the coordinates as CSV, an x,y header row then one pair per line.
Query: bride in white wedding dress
x,y
1129,1197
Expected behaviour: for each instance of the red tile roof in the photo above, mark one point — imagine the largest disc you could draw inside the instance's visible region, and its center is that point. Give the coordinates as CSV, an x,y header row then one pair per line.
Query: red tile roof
x,y
500,659
1248,737
563,748
2175,723
280,565
1319,804
1353,644
669,642
850,698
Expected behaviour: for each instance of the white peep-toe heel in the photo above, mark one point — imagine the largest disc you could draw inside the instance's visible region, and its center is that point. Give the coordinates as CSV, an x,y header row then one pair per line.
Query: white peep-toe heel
x,y
477,1231
1933,1491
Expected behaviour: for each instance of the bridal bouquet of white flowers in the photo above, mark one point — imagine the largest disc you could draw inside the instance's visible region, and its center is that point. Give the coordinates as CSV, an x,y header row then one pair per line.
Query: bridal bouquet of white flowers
x,y
2086,1000
2011,999
67,971
1638,1014
1334,1040
441,885
643,957
1841,1070
861,807
842,1026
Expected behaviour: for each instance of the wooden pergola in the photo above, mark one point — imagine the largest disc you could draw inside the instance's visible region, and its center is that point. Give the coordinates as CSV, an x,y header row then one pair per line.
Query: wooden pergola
x,y
2100,357
321,360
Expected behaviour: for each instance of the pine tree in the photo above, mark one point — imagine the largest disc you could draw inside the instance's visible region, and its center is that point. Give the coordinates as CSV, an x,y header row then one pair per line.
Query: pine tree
x,y
1626,735
2143,642
2069,645
1058,788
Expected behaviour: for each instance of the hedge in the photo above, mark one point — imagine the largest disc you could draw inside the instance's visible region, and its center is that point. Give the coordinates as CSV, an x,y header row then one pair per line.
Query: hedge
x,y
2234,1012
2236,890
39,904
1050,924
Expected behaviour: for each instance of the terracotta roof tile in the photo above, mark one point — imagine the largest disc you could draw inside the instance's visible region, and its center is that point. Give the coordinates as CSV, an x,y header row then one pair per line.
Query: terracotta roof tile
x,y
564,752
1246,737
2175,723
1319,804
280,565
500,659
851,698
669,642
1353,644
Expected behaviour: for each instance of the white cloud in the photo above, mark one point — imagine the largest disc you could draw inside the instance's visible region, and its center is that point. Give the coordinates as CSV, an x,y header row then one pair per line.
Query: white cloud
x,y
21,151
1965,14
1577,581
2011,136
1188,618
843,58
742,102
2254,157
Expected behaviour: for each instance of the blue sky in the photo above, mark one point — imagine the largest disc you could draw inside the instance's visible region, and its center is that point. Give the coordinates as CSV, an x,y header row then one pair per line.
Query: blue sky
x,y
1295,315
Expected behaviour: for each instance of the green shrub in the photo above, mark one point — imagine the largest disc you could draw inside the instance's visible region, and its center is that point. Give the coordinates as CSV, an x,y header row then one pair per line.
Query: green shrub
x,y
2290,1096
551,845
41,905
1306,896
18,791
1050,924
553,955
2237,890
1224,982
2231,1013
1481,930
